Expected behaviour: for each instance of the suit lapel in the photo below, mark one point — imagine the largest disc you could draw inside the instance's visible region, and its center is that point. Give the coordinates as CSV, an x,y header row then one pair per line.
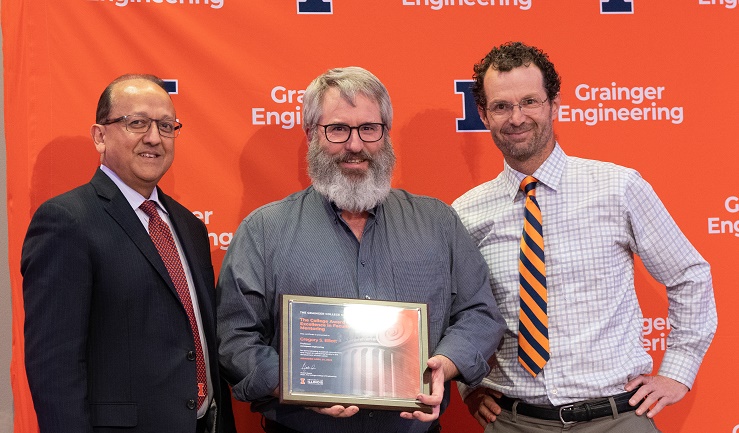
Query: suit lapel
x,y
120,210
186,237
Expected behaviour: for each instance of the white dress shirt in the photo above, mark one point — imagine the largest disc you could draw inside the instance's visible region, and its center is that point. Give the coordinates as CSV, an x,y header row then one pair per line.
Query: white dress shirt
x,y
596,216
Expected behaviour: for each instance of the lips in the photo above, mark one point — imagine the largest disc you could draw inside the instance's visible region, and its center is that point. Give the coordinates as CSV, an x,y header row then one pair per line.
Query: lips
x,y
514,131
517,134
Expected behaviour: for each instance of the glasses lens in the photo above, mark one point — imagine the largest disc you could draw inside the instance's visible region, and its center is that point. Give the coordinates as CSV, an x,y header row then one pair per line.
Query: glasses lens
x,y
530,104
338,133
168,128
370,131
501,108
138,123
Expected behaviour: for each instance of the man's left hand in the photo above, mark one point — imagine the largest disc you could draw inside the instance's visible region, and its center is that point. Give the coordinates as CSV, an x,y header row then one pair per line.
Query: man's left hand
x,y
441,369
658,391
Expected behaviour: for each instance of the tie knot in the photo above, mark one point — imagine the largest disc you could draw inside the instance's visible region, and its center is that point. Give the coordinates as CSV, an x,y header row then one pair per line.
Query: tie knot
x,y
150,208
528,185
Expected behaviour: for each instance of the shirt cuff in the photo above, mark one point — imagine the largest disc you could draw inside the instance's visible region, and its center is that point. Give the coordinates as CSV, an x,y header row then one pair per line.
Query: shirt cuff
x,y
680,367
472,366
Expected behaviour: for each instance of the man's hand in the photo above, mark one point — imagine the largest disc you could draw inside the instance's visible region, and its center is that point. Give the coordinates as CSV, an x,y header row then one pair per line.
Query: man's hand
x,y
482,406
337,411
442,368
659,391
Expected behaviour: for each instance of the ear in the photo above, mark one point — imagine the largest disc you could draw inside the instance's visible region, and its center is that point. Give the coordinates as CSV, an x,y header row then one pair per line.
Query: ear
x,y
555,106
483,113
97,132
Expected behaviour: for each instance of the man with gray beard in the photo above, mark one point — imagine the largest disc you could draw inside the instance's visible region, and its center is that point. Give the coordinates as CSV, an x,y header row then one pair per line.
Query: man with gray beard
x,y
350,235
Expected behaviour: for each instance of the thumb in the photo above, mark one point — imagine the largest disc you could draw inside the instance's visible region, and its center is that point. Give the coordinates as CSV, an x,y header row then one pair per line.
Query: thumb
x,y
434,363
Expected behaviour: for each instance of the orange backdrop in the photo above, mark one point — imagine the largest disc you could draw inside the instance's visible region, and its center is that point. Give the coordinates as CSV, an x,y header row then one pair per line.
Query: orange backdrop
x,y
647,84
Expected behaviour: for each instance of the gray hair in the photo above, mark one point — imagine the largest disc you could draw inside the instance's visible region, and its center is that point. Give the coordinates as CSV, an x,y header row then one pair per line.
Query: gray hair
x,y
350,81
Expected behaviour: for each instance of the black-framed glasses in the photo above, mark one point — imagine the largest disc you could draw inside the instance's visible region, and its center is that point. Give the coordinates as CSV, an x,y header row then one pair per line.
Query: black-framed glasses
x,y
141,124
526,105
340,133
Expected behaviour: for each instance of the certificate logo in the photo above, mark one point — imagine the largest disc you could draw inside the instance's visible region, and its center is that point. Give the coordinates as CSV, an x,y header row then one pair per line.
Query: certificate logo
x,y
617,6
315,6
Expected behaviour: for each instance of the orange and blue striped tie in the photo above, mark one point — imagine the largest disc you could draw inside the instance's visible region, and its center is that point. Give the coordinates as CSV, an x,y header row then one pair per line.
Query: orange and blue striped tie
x,y
533,335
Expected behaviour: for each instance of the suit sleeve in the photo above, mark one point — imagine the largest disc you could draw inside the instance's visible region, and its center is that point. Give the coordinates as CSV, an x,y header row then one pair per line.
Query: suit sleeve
x,y
57,289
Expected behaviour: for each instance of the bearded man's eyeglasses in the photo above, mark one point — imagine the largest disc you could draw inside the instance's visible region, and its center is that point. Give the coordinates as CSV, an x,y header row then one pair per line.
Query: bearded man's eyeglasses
x,y
340,133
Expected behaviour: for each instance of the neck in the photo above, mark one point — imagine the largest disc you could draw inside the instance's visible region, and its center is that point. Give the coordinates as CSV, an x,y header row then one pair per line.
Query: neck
x,y
526,167
356,221
532,163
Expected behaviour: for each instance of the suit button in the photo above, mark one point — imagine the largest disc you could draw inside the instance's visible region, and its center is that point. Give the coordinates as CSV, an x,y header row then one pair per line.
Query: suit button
x,y
191,404
191,356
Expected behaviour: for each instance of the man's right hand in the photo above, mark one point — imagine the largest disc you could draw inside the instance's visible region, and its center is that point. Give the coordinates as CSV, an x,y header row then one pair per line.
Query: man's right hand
x,y
482,406
337,411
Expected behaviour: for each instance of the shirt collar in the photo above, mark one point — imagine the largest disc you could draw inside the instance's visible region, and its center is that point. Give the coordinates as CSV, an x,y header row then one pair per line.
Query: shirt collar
x,y
134,198
548,174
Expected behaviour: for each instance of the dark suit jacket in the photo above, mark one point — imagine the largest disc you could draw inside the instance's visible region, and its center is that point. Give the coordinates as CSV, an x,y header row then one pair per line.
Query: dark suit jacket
x,y
107,338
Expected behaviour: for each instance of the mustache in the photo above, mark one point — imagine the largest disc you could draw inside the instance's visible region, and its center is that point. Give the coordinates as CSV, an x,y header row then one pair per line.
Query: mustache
x,y
516,129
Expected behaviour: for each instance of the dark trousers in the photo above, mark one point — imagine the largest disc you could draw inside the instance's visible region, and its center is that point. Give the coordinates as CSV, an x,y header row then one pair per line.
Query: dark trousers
x,y
200,426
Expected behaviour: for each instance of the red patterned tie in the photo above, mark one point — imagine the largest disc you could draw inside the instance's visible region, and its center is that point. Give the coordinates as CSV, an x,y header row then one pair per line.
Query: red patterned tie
x,y
162,238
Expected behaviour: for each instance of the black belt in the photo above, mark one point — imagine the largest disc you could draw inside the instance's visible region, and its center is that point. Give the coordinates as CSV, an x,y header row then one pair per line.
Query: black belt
x,y
274,427
571,413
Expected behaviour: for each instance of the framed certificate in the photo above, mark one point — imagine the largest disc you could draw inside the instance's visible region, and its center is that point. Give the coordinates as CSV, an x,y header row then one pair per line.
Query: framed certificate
x,y
366,353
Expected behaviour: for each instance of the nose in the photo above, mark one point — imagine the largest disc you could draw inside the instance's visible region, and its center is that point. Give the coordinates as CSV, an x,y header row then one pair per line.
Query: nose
x,y
354,143
517,117
152,136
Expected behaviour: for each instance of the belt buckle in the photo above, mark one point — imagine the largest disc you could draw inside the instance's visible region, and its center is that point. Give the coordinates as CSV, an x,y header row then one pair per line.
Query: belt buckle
x,y
561,419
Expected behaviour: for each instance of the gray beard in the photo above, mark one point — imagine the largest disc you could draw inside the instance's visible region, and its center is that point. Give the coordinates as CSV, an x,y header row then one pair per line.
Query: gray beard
x,y
352,191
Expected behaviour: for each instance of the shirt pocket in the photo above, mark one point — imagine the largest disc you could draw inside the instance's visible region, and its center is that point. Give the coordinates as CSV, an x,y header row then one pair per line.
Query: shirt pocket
x,y
423,281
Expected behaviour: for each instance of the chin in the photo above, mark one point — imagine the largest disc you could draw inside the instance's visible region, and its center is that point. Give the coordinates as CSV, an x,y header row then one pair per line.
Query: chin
x,y
355,174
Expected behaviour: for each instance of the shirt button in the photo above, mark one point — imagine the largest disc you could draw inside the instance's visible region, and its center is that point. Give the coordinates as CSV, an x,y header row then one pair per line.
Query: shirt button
x,y
362,262
371,414
191,404
554,391
367,297
191,356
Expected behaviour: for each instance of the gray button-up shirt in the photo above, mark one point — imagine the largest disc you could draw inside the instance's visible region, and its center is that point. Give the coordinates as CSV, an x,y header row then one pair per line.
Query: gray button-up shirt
x,y
413,249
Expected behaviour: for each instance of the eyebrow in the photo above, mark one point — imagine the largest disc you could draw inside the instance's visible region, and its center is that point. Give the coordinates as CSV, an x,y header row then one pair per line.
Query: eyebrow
x,y
531,95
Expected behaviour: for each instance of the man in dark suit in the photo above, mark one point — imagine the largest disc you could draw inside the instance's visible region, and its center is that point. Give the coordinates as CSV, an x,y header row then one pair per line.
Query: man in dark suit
x,y
118,323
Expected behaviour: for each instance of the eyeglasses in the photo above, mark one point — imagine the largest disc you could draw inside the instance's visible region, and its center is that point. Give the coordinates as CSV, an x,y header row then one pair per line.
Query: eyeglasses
x,y
141,124
340,133
527,106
